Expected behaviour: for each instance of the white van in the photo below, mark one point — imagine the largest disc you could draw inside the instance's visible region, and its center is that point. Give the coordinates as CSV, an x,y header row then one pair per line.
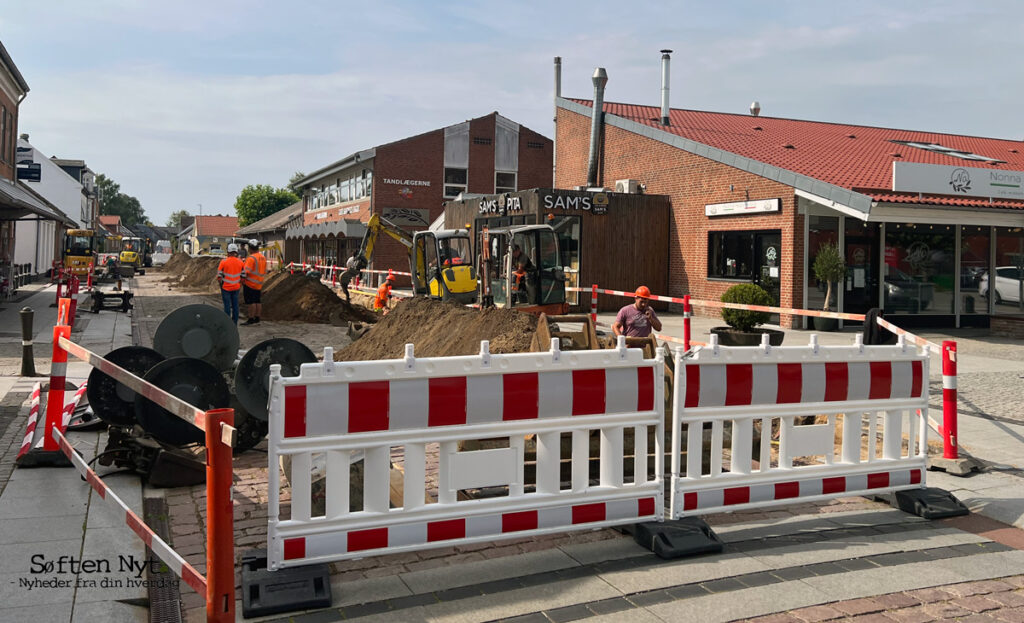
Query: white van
x,y
161,252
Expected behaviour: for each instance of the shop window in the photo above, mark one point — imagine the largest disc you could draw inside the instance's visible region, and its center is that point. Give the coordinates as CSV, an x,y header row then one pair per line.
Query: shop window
x,y
568,230
820,230
455,181
1007,293
731,254
504,182
919,268
974,246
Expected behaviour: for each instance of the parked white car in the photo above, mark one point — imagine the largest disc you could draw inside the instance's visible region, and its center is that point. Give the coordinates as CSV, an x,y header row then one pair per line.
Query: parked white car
x,y
1008,280
161,252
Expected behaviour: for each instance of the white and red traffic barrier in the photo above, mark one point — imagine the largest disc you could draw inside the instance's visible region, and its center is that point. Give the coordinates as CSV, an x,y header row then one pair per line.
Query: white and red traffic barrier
x,y
218,587
33,417
765,389
687,316
341,410
593,304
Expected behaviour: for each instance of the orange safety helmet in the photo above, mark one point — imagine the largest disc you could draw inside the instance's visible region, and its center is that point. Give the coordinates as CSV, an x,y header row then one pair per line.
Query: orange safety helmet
x,y
391,275
643,292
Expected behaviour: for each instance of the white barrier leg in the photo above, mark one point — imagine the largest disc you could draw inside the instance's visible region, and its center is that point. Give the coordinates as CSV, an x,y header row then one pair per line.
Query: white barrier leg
x,y
300,481
892,435
415,476
611,457
640,475
851,437
338,483
377,479
549,455
742,441
580,459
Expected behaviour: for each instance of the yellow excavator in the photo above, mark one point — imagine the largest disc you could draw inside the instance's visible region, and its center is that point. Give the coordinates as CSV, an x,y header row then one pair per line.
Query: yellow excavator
x,y
440,261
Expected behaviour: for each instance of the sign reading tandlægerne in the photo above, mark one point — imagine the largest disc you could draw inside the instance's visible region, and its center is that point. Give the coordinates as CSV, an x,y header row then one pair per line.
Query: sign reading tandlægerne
x,y
938,179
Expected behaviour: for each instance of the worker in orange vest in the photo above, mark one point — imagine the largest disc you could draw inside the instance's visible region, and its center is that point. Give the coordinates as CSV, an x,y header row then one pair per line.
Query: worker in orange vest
x,y
229,275
252,281
382,302
519,283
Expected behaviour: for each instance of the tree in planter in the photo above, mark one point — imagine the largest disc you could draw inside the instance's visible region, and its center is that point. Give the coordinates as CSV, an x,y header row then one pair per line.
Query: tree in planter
x,y
746,294
830,267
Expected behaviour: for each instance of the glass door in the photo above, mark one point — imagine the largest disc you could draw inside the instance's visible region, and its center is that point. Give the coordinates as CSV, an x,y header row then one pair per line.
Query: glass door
x,y
768,266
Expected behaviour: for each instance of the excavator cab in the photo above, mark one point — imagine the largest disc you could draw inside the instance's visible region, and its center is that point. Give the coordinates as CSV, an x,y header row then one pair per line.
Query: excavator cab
x,y
442,265
522,269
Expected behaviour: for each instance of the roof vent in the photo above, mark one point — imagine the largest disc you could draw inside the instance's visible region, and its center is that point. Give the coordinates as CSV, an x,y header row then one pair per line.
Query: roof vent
x,y
755,108
896,154
788,146
851,136
1013,151
758,128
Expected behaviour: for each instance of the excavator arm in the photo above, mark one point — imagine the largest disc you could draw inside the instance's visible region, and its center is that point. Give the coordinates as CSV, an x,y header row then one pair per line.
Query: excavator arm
x,y
374,227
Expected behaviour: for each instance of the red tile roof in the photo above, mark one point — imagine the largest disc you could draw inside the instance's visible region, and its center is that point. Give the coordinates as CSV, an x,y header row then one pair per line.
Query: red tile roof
x,y
855,157
216,225
110,220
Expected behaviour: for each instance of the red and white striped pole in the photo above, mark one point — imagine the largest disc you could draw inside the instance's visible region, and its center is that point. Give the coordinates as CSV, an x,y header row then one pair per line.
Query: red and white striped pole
x,y
593,303
687,314
949,447
58,374
88,277
33,417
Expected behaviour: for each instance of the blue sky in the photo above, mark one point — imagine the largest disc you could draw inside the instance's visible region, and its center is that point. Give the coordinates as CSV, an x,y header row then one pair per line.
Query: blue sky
x,y
187,102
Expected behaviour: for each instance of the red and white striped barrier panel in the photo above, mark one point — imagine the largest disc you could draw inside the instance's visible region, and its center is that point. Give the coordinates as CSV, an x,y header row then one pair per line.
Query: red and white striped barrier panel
x,y
341,410
69,410
950,450
762,390
160,548
33,417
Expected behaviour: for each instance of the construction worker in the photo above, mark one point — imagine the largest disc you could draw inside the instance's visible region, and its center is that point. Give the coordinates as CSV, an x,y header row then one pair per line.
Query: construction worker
x,y
229,275
519,294
382,302
252,281
353,265
637,319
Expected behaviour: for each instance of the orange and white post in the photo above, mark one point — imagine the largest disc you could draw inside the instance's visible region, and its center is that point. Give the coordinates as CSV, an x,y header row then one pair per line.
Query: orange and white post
x,y
949,447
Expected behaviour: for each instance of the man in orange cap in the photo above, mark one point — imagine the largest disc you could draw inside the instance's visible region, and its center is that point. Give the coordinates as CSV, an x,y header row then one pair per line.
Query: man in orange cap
x,y
382,302
638,318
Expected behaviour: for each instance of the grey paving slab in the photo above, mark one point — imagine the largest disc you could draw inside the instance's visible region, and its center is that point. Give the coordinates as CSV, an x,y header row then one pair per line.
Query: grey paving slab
x,y
588,553
466,574
521,601
636,615
50,613
740,604
788,525
883,580
685,571
14,592
109,612
371,589
18,557
126,556
40,529
128,487
986,566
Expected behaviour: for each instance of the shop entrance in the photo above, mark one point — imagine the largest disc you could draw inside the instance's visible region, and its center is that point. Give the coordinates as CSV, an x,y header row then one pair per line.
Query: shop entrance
x,y
768,265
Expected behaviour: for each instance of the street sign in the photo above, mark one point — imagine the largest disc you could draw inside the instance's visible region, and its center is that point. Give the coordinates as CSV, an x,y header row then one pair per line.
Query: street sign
x,y
31,173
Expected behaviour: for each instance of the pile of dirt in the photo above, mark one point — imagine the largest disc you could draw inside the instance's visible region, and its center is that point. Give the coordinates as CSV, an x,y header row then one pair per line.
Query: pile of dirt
x,y
306,299
178,262
439,329
200,273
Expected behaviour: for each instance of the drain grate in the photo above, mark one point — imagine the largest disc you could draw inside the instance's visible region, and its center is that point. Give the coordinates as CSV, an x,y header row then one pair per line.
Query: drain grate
x,y
163,585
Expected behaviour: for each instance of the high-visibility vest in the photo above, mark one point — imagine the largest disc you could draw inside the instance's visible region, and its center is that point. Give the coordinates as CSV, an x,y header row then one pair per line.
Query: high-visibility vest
x,y
383,294
255,270
230,271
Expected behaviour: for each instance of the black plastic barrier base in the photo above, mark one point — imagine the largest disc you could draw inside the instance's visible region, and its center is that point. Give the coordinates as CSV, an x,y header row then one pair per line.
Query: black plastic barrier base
x,y
286,590
688,536
37,457
930,503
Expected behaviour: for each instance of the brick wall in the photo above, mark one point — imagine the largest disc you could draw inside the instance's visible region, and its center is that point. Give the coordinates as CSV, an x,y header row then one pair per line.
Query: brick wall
x,y
1007,326
692,182
534,162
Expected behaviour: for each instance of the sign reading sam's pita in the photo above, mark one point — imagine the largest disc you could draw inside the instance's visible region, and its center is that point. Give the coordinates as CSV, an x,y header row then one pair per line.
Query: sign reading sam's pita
x,y
743,207
938,179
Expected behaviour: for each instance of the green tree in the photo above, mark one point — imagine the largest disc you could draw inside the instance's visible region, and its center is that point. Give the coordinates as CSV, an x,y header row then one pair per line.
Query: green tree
x,y
258,201
113,201
174,220
293,180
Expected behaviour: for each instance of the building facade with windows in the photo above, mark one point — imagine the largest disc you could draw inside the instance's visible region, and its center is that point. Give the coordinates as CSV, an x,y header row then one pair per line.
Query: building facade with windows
x,y
89,198
924,219
408,181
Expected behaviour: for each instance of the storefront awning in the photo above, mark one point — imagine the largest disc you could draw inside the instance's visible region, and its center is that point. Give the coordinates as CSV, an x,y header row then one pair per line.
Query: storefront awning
x,y
341,229
16,202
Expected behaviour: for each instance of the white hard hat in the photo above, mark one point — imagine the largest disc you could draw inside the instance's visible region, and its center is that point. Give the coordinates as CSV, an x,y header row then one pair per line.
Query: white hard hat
x,y
253,242
232,248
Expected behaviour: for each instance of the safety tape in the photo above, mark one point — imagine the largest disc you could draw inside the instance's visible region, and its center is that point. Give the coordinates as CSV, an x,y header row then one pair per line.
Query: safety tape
x,y
33,418
910,337
159,547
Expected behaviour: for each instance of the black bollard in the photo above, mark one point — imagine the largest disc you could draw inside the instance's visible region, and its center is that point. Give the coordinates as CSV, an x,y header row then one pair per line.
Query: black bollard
x,y
28,363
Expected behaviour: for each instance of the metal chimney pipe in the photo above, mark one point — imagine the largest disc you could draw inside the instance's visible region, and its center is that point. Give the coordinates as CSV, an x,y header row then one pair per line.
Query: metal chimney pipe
x,y
558,83
558,94
665,60
600,79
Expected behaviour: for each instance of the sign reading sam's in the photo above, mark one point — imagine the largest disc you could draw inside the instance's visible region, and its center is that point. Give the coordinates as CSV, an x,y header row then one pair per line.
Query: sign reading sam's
x,y
937,179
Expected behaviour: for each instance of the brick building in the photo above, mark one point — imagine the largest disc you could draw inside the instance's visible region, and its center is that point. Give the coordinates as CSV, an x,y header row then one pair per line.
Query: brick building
x,y
407,182
924,218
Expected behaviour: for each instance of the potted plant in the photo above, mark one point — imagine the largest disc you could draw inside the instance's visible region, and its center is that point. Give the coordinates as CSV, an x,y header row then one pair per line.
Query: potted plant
x,y
742,329
830,267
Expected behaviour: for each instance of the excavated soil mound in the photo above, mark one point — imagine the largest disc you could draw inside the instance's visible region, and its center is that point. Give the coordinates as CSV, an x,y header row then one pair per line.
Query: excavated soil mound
x,y
297,297
200,273
442,330
178,262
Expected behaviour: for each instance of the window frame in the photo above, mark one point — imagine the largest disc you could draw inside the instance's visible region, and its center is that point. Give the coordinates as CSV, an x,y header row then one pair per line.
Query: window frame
x,y
746,278
445,184
498,190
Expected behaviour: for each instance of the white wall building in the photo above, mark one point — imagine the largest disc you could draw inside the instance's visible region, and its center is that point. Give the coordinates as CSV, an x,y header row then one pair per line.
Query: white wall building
x,y
37,237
